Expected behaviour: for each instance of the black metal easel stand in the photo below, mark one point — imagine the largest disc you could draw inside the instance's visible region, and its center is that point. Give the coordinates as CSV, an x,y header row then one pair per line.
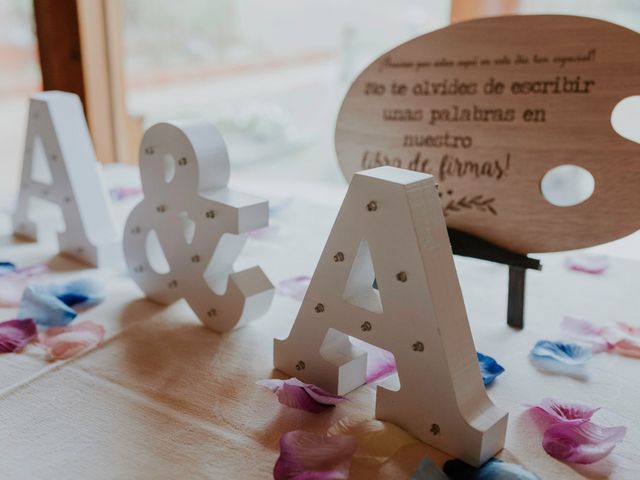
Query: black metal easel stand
x,y
468,245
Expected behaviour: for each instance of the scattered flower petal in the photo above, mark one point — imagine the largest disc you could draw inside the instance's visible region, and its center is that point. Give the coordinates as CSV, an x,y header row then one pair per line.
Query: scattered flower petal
x,y
380,363
428,471
295,287
592,263
65,342
563,412
303,396
494,469
263,233
123,193
377,440
7,267
39,304
15,334
624,338
310,456
583,442
586,332
561,358
489,368
83,292
13,283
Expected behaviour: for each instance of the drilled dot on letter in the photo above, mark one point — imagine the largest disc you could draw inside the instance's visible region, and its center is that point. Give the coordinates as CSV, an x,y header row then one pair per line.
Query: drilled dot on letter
x,y
338,257
195,258
319,308
211,214
149,150
136,230
182,161
418,347
372,206
173,284
161,208
401,277
435,428
300,365
365,327
212,313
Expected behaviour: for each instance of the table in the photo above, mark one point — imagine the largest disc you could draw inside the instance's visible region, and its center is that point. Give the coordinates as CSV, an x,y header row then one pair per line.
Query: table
x,y
165,398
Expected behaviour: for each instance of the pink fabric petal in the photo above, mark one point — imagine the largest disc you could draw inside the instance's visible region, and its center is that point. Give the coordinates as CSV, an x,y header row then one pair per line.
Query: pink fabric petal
x,y
380,363
563,412
303,396
581,442
586,332
310,456
16,334
295,287
13,284
65,342
592,263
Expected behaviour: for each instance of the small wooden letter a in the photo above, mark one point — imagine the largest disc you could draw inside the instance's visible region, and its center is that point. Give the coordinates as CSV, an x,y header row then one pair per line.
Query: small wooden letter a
x,y
60,167
391,230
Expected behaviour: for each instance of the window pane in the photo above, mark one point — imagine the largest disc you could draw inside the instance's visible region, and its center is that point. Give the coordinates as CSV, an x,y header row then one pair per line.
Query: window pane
x,y
271,75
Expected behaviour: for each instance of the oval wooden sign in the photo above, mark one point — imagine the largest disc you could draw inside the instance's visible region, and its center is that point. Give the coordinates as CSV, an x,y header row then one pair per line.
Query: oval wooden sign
x,y
489,107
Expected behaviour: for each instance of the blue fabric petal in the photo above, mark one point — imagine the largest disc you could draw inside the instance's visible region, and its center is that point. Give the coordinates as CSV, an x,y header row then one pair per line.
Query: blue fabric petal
x,y
494,469
428,471
489,368
83,292
564,358
7,267
39,304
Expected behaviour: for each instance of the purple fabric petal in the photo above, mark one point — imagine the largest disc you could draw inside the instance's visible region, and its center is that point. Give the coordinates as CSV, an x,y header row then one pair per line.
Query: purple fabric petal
x,y
583,442
15,334
13,283
586,332
563,412
123,193
295,287
309,456
380,363
303,396
587,263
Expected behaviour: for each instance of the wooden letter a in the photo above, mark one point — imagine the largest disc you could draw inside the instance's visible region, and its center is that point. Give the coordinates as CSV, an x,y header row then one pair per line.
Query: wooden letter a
x,y
60,167
391,223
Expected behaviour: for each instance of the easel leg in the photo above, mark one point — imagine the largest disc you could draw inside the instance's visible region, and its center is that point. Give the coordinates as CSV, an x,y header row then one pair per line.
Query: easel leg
x,y
515,302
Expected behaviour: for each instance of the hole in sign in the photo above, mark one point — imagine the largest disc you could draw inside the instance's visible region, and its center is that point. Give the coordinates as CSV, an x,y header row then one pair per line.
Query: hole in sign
x,y
155,254
567,185
360,289
188,227
625,118
339,348
40,170
169,167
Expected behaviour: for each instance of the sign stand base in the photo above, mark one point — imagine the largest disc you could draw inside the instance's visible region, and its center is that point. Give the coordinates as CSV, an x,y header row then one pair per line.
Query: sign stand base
x,y
468,245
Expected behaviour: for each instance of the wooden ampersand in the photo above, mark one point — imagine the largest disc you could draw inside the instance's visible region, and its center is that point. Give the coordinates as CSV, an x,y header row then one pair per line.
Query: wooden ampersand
x,y
60,167
199,224
491,108
391,229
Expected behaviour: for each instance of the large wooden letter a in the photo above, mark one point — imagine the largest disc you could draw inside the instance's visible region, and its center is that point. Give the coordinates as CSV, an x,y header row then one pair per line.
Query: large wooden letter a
x,y
391,223
60,167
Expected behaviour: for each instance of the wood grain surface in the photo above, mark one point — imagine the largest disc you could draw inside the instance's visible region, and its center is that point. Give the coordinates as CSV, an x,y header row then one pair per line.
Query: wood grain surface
x,y
489,106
